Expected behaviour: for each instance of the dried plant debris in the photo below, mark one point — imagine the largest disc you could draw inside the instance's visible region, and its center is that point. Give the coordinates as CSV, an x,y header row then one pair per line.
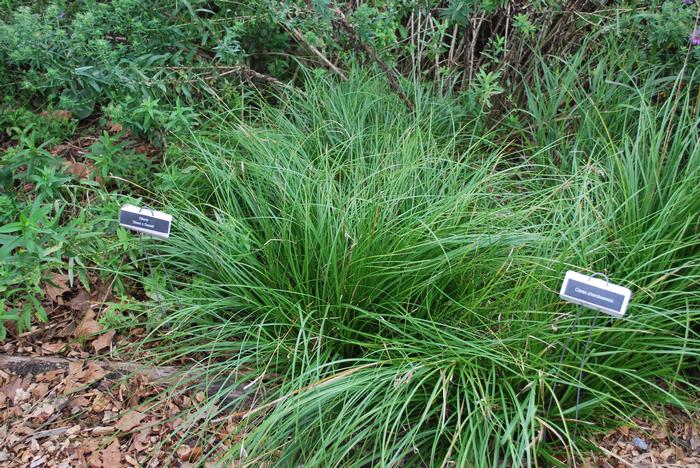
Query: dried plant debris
x,y
80,417
674,441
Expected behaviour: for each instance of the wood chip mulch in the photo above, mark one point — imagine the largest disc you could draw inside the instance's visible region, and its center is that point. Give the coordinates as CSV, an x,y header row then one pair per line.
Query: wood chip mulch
x,y
85,415
68,400
672,442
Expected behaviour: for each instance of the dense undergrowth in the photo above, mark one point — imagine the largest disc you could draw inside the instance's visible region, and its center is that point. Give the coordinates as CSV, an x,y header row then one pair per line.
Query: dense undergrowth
x,y
394,275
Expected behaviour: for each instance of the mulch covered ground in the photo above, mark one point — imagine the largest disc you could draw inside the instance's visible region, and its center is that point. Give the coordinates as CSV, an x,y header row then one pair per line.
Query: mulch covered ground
x,y
66,398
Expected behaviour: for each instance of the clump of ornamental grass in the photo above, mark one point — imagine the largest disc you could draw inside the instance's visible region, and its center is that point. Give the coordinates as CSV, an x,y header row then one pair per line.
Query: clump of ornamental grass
x,y
379,285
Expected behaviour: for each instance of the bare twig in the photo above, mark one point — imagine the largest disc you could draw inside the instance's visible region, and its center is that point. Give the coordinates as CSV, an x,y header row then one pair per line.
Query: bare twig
x,y
362,47
453,42
160,375
48,433
475,36
302,39
250,74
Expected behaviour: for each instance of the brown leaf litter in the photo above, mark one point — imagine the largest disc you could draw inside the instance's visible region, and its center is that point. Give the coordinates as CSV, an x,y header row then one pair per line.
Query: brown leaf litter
x,y
81,417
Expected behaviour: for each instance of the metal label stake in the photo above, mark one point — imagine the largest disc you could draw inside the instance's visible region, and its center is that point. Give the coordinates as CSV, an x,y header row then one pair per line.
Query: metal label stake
x,y
147,222
593,293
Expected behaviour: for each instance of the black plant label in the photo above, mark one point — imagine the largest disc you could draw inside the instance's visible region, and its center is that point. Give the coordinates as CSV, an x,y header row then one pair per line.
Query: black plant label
x,y
145,221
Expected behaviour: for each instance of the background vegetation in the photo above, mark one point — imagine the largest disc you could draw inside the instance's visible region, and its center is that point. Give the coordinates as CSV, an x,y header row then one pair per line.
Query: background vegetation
x,y
375,205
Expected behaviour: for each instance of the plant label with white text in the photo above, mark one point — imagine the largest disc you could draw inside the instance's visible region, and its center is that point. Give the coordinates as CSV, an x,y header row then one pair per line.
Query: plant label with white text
x,y
595,293
146,221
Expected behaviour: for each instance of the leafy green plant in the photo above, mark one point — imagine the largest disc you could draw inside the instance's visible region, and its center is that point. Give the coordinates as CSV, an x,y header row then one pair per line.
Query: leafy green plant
x,y
151,117
659,37
52,222
28,247
114,159
85,55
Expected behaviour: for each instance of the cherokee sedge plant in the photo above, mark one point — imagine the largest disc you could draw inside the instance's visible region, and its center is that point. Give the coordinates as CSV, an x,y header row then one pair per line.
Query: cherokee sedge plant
x,y
380,285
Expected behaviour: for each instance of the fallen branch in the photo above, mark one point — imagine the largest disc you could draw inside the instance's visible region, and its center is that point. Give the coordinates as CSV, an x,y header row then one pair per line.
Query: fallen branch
x,y
251,75
165,375
97,430
48,433
24,365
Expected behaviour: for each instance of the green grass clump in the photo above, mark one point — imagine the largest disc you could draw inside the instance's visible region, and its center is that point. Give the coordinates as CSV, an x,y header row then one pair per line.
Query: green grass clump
x,y
390,279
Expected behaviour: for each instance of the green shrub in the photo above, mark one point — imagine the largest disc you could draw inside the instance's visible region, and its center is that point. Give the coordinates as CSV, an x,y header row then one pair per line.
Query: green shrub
x,y
151,67
389,279
145,67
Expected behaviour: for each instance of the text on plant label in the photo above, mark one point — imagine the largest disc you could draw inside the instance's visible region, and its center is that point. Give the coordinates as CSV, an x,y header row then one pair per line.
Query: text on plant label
x,y
595,293
146,221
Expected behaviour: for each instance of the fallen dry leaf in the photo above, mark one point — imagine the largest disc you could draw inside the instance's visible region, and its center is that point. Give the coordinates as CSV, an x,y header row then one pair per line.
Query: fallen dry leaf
x,y
130,420
79,402
80,302
79,377
56,286
102,430
141,440
21,395
174,424
51,376
11,388
92,373
73,430
37,461
111,456
88,326
78,170
95,460
100,403
59,150
40,390
52,348
44,411
72,381
103,341
667,453
184,452
74,367
116,128
680,454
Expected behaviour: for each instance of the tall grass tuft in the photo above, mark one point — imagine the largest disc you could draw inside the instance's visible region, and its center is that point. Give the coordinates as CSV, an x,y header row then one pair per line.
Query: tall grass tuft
x,y
385,281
